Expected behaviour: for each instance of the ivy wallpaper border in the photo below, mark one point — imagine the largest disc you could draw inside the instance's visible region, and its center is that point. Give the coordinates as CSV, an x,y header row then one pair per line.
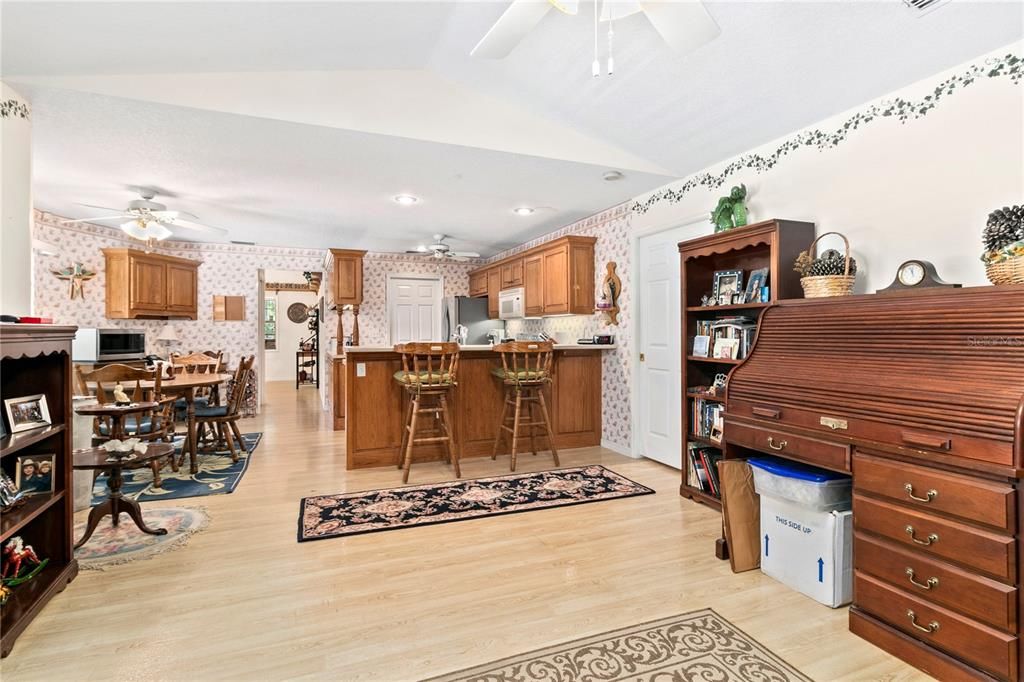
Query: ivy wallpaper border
x,y
1009,66
12,107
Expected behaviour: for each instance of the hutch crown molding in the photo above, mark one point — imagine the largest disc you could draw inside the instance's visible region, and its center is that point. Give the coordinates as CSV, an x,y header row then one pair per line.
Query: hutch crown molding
x,y
557,278
150,285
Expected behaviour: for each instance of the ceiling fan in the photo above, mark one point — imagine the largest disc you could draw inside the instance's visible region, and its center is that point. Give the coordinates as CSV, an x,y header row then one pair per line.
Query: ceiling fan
x,y
683,25
441,251
148,220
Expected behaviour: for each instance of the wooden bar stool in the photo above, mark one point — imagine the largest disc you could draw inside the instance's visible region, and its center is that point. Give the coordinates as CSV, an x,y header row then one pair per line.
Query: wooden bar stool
x,y
428,374
525,370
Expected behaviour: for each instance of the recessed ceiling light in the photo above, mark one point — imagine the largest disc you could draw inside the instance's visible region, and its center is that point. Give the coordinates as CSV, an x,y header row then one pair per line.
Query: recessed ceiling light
x,y
523,210
406,199
612,176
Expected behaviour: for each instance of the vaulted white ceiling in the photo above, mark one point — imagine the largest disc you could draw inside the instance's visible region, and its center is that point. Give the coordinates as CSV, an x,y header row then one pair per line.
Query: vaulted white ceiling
x,y
295,123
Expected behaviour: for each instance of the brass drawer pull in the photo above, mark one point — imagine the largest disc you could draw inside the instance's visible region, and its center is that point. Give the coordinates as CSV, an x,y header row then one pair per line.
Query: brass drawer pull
x,y
773,446
928,496
927,585
930,628
932,537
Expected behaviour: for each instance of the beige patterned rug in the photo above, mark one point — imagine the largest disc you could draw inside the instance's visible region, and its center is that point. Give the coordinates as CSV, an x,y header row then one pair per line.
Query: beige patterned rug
x,y
700,645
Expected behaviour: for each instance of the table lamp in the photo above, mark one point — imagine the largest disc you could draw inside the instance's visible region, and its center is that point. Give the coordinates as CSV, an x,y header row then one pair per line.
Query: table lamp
x,y
168,336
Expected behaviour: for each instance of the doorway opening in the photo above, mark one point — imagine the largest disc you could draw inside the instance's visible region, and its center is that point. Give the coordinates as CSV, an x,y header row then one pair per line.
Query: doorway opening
x,y
289,329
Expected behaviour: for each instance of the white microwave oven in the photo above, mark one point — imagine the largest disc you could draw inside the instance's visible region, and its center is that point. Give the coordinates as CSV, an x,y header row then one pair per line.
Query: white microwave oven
x,y
108,345
511,303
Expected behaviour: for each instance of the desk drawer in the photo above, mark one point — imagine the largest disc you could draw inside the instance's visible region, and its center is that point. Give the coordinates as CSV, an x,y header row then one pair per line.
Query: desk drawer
x,y
982,550
978,644
983,599
929,490
821,453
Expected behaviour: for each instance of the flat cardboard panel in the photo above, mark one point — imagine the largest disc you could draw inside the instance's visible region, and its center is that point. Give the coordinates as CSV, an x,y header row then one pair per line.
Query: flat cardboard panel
x,y
741,515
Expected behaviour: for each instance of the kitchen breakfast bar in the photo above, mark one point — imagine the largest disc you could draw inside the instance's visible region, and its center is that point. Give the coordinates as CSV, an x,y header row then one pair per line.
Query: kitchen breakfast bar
x,y
370,405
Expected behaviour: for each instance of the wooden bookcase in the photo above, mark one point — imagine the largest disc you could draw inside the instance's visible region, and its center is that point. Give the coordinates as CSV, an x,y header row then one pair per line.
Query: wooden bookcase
x,y
772,244
37,359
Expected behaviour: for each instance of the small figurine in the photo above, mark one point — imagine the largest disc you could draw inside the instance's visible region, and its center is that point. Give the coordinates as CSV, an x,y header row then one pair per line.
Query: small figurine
x,y
5,592
731,210
76,275
16,552
120,397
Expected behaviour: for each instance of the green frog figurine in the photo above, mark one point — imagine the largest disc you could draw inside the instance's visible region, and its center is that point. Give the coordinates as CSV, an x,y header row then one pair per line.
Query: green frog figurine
x,y
731,210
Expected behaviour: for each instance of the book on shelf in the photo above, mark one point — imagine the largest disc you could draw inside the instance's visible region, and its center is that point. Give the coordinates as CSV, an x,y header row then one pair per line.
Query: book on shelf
x,y
704,415
702,472
735,332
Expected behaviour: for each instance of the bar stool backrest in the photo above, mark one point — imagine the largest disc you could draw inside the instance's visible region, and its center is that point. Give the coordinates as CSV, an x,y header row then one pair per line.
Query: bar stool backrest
x,y
526,362
428,365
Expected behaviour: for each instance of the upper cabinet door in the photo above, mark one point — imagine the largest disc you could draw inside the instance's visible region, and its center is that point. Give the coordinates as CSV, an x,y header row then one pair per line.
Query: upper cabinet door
x,y
533,282
493,289
349,289
182,295
581,279
556,280
148,284
478,284
512,274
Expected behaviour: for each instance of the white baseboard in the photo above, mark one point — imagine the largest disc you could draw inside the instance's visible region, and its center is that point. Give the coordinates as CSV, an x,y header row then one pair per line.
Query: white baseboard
x,y
619,448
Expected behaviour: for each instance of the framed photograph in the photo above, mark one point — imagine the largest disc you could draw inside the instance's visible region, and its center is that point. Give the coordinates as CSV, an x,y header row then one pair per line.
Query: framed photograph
x,y
701,346
35,473
725,349
758,279
728,283
27,413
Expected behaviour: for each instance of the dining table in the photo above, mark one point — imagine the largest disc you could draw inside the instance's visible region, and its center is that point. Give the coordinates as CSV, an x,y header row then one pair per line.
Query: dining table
x,y
184,385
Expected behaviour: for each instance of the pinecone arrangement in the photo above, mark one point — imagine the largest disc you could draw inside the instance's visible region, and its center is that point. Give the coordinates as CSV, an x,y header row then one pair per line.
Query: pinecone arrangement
x,y
1005,226
829,263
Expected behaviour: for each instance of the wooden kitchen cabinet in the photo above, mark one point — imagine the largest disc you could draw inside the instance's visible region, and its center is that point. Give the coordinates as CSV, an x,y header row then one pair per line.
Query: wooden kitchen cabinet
x,y
533,285
558,278
345,273
478,284
493,290
512,274
140,285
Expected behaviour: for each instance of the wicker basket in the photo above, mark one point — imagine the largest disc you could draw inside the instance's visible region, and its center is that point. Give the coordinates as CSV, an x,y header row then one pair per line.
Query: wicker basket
x,y
1009,271
829,285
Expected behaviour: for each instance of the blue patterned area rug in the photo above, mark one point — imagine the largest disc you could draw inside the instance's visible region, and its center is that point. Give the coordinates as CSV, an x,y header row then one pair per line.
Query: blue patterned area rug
x,y
369,511
217,475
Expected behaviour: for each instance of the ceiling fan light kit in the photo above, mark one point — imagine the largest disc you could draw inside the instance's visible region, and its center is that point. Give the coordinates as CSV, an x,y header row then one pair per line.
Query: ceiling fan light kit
x,y
149,221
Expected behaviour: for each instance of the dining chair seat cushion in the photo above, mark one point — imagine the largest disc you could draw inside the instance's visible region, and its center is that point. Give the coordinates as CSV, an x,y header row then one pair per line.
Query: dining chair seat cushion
x,y
132,425
200,401
520,375
212,411
415,378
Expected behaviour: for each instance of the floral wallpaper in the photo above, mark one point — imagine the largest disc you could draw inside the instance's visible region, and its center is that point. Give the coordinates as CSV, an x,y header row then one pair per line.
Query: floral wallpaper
x,y
227,269
612,229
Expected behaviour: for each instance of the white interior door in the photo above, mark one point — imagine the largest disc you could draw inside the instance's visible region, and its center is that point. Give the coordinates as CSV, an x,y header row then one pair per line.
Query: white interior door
x,y
414,309
660,394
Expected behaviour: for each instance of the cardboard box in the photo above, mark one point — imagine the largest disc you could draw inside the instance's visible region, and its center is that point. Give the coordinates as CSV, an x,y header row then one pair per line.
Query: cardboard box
x,y
740,514
810,551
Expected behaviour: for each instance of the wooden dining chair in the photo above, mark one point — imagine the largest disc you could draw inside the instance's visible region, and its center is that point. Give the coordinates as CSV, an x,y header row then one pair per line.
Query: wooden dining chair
x,y
222,420
195,363
152,425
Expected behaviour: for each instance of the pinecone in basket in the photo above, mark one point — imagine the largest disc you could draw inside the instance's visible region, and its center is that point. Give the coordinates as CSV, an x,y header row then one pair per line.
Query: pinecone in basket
x,y
830,262
1004,227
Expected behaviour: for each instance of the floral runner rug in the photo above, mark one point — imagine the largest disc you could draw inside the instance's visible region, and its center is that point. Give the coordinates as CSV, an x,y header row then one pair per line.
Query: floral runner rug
x,y
700,645
330,516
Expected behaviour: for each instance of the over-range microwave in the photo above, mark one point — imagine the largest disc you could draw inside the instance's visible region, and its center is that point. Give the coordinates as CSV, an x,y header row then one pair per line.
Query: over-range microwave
x,y
511,303
108,345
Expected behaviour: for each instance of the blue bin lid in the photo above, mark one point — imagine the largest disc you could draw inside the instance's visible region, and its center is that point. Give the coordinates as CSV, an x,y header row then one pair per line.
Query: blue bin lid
x,y
790,469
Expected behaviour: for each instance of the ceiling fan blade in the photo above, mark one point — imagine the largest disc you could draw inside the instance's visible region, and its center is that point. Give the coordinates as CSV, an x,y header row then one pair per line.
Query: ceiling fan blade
x,y
102,208
510,28
103,217
165,215
189,225
684,26
416,251
464,254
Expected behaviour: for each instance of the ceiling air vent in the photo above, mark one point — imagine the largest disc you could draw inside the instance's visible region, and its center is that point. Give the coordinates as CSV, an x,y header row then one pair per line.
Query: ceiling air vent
x,y
923,7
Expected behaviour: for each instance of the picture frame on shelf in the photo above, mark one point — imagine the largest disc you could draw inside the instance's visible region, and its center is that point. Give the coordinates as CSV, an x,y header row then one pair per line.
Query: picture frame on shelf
x,y
701,346
727,283
27,412
726,349
755,285
34,474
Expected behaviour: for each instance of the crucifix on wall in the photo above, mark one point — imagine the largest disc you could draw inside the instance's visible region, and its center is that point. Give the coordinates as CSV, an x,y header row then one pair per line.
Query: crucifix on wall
x,y
76,275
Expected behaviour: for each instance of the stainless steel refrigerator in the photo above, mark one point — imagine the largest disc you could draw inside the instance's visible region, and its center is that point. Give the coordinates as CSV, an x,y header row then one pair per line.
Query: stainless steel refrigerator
x,y
471,313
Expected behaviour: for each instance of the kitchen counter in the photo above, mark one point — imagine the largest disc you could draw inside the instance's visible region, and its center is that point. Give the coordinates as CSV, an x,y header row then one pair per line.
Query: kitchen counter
x,y
375,404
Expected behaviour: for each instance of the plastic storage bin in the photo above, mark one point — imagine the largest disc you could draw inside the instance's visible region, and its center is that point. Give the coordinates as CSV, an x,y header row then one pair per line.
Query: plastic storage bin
x,y
805,485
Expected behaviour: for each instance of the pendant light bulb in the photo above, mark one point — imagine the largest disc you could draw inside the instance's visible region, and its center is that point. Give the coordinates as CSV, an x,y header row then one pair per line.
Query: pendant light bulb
x,y
611,36
596,68
611,65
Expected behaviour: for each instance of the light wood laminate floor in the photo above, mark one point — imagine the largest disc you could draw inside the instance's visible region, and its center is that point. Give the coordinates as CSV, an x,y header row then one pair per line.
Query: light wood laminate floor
x,y
245,601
